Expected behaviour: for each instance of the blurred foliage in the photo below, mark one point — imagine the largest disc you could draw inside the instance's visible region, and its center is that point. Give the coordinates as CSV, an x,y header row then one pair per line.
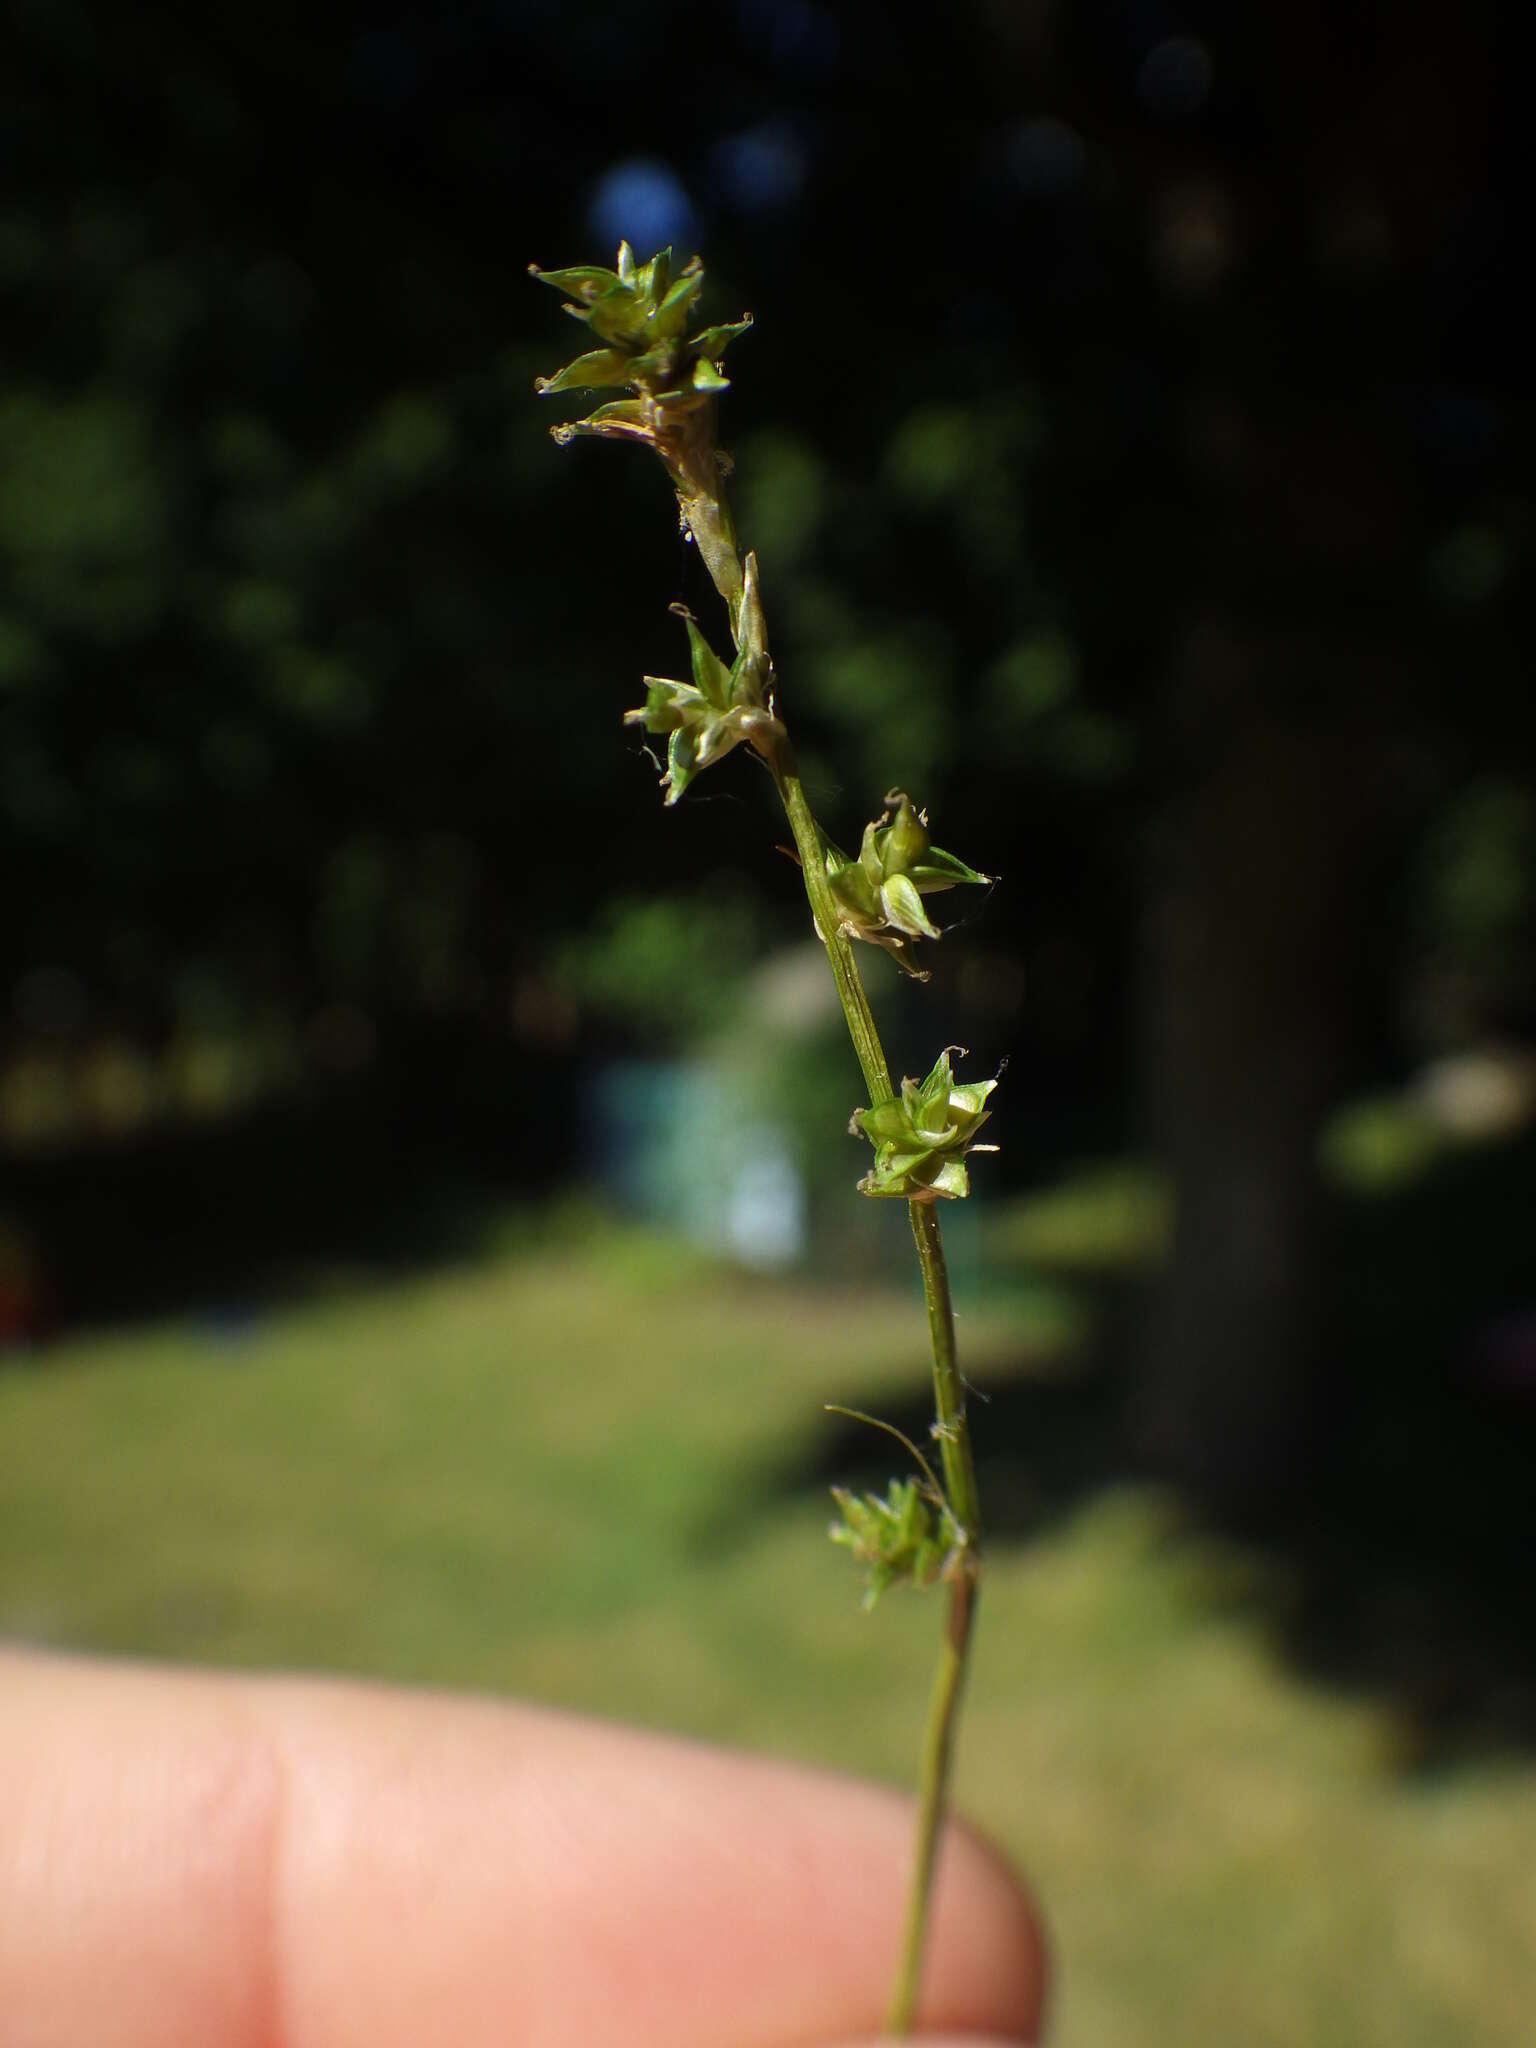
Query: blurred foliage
x,y
1381,1144
1112,1217
666,966
1093,422
1479,893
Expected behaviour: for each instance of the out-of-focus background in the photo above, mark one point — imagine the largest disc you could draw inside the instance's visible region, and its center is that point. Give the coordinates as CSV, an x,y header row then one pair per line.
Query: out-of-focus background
x,y
427,1235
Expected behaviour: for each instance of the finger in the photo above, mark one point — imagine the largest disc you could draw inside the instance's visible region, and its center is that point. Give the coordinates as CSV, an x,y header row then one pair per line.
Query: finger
x,y
296,1864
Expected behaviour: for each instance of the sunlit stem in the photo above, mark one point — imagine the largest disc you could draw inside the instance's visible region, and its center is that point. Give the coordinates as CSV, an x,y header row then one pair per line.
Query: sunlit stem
x,y
709,514
845,972
688,452
950,1429
709,521
952,1433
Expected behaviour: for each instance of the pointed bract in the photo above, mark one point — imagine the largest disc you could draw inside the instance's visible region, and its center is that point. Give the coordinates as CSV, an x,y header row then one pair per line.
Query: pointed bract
x,y
586,281
903,908
752,631
671,314
601,366
710,674
714,341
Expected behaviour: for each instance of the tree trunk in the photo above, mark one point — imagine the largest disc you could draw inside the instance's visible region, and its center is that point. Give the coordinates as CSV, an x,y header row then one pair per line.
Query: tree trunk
x,y
1253,940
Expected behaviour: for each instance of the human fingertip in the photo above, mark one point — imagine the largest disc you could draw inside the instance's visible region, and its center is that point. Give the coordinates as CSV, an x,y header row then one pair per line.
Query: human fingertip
x,y
988,1968
950,2041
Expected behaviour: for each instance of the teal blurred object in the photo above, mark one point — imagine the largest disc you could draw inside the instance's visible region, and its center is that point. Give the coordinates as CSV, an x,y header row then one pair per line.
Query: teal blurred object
x,y
667,1144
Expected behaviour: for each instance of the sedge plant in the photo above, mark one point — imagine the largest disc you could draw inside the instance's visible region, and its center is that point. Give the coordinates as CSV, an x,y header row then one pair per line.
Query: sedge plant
x,y
649,346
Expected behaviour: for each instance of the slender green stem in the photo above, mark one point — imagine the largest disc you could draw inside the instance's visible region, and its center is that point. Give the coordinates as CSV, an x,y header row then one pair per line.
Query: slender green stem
x,y
692,464
845,972
933,1778
952,1432
709,521
950,1429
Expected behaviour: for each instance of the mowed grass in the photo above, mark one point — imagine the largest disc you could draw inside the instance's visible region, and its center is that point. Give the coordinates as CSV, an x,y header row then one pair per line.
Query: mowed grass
x,y
561,1474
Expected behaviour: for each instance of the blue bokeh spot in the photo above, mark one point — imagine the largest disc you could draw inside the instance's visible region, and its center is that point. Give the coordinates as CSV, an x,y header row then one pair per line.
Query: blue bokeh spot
x,y
760,170
641,201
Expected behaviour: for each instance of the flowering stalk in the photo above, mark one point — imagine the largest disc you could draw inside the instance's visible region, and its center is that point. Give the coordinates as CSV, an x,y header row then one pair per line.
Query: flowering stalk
x,y
924,1528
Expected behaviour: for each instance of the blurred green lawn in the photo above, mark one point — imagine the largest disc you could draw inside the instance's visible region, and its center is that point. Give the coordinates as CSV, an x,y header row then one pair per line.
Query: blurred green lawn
x,y
559,1472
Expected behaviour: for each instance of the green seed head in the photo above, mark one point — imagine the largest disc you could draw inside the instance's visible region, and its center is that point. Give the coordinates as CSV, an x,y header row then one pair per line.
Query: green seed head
x,y
906,1539
922,1136
641,315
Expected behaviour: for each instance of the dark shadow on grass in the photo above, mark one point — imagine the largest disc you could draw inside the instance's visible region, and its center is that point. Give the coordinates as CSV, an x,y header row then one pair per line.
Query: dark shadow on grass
x,y
1414,1564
